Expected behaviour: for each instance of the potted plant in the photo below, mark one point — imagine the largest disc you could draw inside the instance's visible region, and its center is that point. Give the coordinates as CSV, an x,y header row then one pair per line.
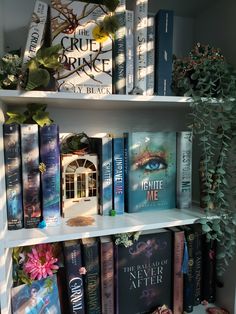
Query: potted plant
x,y
210,81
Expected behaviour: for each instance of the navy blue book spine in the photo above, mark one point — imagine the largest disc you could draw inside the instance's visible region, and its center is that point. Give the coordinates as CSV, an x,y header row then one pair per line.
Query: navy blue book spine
x,y
12,154
118,175
164,21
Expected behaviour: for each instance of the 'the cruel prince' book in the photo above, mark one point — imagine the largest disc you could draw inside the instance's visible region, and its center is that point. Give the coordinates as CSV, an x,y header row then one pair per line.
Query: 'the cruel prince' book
x,y
143,273
152,171
86,50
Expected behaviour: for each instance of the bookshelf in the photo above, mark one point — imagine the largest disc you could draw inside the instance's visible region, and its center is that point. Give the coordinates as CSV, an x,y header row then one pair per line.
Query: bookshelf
x,y
204,21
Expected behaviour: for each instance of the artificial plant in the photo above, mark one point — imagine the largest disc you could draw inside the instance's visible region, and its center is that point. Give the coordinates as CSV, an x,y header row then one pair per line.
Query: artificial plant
x,y
211,82
10,70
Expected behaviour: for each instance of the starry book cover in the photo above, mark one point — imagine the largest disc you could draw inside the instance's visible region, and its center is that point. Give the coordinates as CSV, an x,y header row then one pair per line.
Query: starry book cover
x,y
152,171
143,273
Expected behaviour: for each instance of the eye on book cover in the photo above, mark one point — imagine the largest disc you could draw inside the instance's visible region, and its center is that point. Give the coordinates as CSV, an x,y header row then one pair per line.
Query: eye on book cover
x,y
143,273
86,50
152,171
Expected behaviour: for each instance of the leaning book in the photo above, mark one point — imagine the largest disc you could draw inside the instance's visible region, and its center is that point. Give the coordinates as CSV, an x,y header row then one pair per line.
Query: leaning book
x,y
152,171
86,50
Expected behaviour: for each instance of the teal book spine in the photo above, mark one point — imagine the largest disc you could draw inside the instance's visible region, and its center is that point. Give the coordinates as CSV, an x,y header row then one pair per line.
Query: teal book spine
x,y
152,171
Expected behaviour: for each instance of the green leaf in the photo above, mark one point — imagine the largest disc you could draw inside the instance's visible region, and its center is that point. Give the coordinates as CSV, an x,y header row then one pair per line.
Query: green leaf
x,y
111,4
37,78
15,117
42,118
49,57
206,228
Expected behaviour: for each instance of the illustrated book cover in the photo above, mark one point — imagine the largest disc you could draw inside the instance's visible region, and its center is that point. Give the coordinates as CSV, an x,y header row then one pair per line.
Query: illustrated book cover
x,y
86,50
12,155
152,171
143,273
39,297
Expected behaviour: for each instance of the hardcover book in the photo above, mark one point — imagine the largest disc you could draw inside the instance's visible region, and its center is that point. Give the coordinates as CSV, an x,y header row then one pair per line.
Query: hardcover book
x,y
75,286
39,297
12,154
118,174
143,273
197,253
150,55
30,175
102,146
107,275
86,50
184,170
119,50
129,51
36,31
50,178
152,171
92,283
164,51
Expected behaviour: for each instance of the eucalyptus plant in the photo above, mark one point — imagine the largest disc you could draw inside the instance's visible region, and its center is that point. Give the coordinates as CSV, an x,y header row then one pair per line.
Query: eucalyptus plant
x,y
210,81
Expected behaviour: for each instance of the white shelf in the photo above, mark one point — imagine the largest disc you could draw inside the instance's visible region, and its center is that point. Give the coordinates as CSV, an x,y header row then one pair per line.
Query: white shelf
x,y
103,225
92,101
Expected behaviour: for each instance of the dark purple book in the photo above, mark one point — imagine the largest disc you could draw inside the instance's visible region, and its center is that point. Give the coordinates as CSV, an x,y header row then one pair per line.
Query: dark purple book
x,y
143,273
12,154
50,178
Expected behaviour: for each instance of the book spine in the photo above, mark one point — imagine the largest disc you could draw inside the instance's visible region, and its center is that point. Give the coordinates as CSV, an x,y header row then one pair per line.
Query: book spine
x,y
120,50
50,178
75,287
129,51
36,31
118,175
30,175
92,282
177,272
107,278
164,46
197,228
150,55
140,43
12,154
184,170
126,170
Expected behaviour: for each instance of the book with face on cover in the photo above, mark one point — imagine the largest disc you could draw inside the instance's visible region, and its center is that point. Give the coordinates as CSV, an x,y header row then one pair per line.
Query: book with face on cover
x,y
151,171
86,50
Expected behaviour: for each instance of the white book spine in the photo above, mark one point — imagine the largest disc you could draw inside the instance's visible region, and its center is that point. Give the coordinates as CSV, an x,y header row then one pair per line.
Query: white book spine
x,y
150,55
140,43
129,51
36,31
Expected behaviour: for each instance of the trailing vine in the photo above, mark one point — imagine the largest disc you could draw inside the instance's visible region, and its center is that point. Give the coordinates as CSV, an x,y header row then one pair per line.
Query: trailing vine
x,y
210,81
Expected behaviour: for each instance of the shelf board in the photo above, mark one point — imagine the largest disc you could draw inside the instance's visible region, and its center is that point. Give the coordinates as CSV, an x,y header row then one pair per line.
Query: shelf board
x,y
104,225
92,101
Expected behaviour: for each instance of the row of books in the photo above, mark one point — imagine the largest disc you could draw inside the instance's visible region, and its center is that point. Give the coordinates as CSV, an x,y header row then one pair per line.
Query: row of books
x,y
137,60
173,266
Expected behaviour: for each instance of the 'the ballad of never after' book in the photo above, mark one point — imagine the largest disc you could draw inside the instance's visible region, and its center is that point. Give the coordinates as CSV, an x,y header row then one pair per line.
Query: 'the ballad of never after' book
x,y
143,273
39,297
75,287
87,51
30,175
152,171
12,154
50,178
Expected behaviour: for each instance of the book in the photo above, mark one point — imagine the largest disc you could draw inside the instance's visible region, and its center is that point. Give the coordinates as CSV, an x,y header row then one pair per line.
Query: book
x,y
39,297
150,55
129,14
177,274
152,171
30,175
184,170
12,157
118,174
50,178
197,255
36,31
102,146
208,270
143,273
140,44
92,283
119,50
86,51
75,285
164,21
79,185
107,275
126,170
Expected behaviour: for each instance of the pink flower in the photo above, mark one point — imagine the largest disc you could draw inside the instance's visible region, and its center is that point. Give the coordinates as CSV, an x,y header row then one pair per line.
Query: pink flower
x,y
82,271
40,262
